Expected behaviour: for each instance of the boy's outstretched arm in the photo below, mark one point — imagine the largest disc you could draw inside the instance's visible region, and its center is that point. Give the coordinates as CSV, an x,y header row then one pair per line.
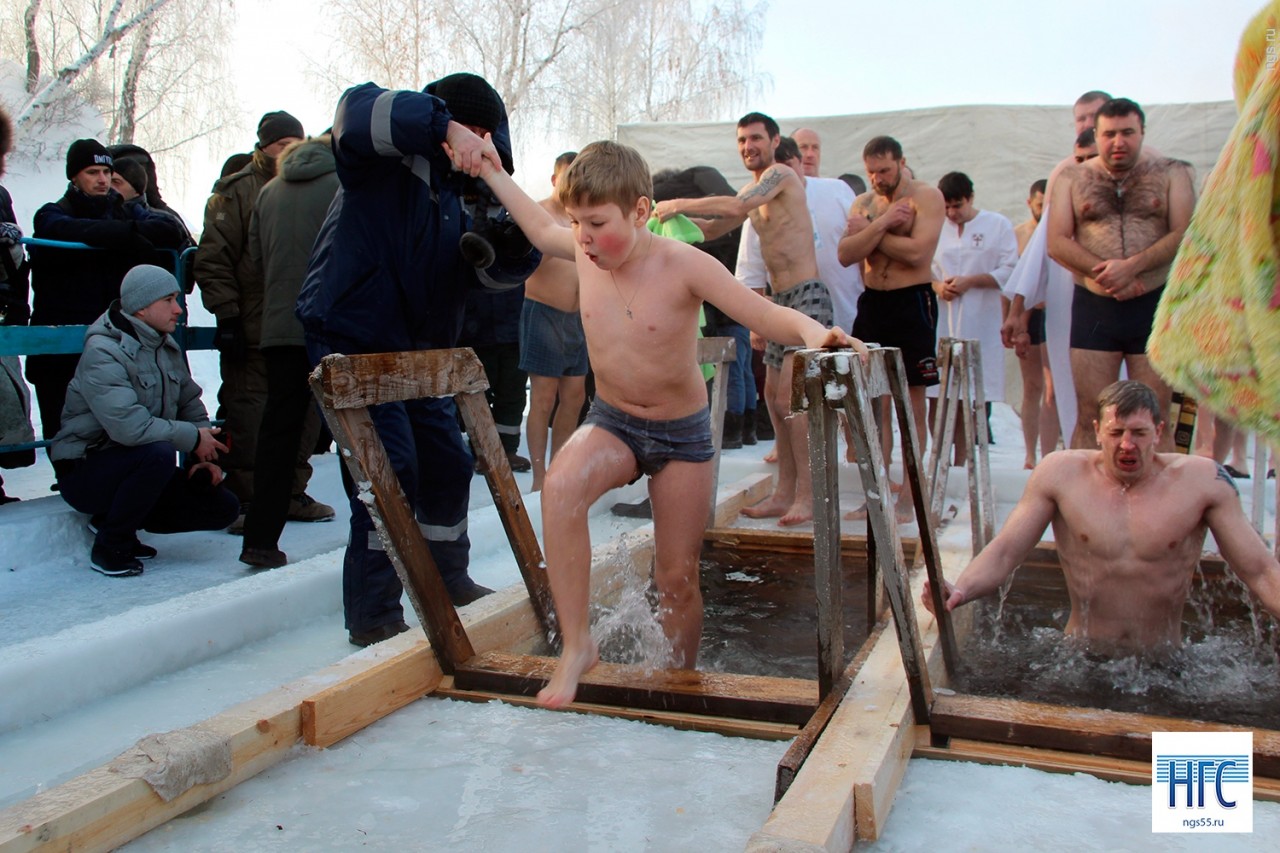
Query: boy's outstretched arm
x,y
712,283
549,236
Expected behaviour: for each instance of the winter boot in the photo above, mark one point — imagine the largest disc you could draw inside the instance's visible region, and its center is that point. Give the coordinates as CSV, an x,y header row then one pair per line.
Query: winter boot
x,y
749,427
764,426
732,436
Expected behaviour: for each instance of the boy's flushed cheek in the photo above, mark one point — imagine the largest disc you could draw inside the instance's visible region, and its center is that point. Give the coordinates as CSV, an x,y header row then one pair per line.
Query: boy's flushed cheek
x,y
613,244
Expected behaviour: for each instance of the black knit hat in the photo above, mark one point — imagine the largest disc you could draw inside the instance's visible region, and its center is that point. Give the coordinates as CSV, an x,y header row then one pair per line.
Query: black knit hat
x,y
471,100
273,127
84,153
133,172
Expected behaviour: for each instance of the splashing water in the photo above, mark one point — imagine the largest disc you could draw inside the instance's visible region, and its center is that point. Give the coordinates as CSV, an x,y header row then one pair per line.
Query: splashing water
x,y
1227,670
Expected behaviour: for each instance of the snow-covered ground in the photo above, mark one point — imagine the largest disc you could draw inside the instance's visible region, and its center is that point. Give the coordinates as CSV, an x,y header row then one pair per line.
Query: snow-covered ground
x,y
90,664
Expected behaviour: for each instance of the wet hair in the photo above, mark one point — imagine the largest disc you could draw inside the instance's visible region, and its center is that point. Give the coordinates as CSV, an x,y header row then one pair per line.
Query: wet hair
x,y
787,150
564,160
880,146
1087,138
770,126
855,182
6,133
1121,107
955,186
1091,96
1129,397
606,172
1038,187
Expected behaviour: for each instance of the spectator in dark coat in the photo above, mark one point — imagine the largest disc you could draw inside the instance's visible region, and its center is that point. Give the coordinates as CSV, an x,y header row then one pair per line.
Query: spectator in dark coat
x,y
286,218
74,286
15,399
386,275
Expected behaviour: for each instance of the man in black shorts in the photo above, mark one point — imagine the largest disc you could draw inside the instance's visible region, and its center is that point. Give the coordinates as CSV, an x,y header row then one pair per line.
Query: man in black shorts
x,y
1115,222
893,232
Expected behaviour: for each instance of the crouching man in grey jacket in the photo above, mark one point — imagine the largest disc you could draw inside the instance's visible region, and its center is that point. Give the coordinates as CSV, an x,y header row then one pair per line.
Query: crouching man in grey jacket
x,y
131,409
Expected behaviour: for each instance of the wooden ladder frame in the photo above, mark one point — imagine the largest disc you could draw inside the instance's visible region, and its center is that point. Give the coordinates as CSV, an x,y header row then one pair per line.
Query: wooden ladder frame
x,y
822,383
347,385
974,726
961,390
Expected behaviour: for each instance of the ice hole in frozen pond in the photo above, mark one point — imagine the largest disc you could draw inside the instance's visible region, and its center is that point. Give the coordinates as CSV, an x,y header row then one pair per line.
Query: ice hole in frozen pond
x,y
759,616
1227,670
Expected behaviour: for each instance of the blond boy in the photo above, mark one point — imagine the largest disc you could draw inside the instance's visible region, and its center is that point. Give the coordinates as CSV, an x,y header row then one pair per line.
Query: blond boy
x,y
640,296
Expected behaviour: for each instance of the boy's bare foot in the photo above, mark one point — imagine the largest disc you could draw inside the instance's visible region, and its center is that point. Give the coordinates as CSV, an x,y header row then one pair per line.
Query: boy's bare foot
x,y
771,456
771,507
563,685
1029,465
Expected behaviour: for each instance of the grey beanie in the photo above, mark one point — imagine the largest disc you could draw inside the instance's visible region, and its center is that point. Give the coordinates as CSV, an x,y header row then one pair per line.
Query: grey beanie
x,y
143,285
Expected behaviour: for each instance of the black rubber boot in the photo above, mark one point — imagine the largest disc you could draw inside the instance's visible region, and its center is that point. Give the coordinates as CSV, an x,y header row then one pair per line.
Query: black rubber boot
x,y
764,426
749,427
732,438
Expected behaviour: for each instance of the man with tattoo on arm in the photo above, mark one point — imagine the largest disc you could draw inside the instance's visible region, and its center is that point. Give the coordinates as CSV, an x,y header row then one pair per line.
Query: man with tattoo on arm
x,y
776,205
1115,222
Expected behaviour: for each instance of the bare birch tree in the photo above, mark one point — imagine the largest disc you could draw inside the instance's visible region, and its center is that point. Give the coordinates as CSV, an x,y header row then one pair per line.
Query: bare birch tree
x,y
664,60
514,44
154,69
394,42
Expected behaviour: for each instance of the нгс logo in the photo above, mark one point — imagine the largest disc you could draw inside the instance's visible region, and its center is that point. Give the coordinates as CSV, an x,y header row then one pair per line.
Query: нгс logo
x,y
1202,782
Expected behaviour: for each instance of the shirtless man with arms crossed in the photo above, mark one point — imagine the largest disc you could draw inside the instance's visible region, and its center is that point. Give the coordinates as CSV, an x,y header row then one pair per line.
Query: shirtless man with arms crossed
x,y
893,233
1115,222
553,350
1130,526
776,205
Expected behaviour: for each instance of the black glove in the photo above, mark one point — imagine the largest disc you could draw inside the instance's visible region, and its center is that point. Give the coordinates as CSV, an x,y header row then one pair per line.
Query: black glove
x,y
9,234
138,245
158,231
229,339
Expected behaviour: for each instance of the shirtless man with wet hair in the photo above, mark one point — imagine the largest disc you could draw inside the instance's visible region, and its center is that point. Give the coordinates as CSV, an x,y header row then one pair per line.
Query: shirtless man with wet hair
x,y
775,203
1115,222
893,233
1130,526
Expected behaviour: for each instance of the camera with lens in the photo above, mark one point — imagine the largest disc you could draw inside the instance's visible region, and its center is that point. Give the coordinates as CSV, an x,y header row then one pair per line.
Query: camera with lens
x,y
493,243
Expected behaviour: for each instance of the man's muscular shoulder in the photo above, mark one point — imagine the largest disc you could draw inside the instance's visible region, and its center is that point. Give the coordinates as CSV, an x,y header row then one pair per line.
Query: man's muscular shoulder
x,y
1199,473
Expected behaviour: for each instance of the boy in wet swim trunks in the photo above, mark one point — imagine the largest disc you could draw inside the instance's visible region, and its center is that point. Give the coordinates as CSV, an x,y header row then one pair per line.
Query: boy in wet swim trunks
x,y
639,295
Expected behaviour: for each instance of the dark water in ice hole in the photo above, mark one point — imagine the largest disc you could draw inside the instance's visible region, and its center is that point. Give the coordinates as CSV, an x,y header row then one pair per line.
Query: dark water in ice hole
x,y
1227,670
759,617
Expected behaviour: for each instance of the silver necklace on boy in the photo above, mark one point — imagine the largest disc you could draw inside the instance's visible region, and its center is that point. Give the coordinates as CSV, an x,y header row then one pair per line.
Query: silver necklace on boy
x,y
626,303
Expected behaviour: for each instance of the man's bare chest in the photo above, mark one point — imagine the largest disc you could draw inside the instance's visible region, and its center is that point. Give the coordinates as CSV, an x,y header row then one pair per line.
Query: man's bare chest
x,y
1144,527
1140,194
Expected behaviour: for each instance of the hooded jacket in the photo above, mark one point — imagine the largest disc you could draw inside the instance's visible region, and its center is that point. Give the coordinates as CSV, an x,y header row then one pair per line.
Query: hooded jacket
x,y
132,387
386,273
286,219
230,283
